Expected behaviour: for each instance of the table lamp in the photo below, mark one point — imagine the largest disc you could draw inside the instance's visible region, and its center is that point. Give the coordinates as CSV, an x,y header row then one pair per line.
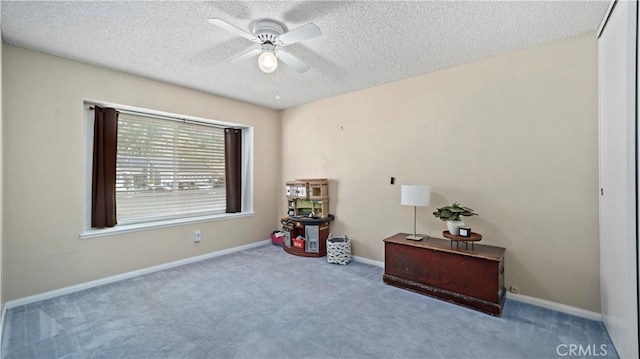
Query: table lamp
x,y
415,195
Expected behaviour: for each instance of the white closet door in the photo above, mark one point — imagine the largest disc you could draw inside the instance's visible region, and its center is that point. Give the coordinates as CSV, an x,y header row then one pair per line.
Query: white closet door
x,y
617,121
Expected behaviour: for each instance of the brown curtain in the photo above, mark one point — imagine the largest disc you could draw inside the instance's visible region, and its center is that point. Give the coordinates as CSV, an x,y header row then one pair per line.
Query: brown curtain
x,y
103,182
233,168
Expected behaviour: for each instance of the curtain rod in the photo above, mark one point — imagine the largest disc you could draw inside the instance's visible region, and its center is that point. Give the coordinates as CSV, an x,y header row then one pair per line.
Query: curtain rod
x,y
165,117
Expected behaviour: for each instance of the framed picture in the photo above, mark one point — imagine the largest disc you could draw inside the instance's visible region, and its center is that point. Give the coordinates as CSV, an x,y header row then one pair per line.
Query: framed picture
x,y
465,231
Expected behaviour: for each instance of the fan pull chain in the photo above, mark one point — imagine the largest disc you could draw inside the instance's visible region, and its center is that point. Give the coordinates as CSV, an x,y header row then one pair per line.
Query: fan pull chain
x,y
278,83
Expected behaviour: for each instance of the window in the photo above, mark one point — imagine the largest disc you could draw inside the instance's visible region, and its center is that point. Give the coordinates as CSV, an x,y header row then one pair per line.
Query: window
x,y
168,169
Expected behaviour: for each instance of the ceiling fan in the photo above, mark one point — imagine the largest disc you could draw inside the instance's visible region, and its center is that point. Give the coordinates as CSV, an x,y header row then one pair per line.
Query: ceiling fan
x,y
272,38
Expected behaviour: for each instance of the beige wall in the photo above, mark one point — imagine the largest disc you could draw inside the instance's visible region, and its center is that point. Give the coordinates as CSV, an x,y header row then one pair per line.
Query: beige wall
x,y
44,150
514,137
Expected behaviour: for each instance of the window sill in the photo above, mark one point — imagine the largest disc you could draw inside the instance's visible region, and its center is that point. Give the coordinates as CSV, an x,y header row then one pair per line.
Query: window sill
x,y
126,228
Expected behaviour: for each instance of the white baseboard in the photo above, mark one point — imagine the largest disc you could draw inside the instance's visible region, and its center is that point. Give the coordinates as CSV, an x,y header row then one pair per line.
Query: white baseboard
x,y
119,277
578,312
368,261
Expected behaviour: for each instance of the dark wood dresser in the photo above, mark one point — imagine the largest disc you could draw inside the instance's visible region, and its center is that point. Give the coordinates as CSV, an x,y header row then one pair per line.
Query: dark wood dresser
x,y
472,278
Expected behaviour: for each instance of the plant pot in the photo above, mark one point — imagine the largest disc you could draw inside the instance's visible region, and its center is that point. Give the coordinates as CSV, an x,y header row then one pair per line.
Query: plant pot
x,y
454,227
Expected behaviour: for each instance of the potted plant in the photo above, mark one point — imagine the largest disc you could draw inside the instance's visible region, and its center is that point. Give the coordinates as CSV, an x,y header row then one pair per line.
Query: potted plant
x,y
451,214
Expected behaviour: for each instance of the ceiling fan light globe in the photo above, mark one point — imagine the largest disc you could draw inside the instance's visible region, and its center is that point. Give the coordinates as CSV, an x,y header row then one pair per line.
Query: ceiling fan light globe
x,y
267,62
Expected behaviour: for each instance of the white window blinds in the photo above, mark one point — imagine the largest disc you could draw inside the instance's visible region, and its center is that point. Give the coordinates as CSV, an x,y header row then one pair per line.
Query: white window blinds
x,y
168,169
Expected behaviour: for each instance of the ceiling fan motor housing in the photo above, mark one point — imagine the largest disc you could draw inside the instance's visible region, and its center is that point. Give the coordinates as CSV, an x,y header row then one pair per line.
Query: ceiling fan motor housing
x,y
267,31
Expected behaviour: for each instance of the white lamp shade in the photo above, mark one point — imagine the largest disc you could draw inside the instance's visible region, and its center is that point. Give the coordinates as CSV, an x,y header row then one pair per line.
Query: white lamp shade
x,y
267,62
415,195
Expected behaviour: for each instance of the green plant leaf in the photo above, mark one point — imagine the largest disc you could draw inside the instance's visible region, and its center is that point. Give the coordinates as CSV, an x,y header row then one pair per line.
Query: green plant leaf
x,y
453,212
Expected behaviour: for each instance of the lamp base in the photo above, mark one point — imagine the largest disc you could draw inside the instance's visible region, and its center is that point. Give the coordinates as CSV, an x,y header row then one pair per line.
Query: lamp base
x,y
414,238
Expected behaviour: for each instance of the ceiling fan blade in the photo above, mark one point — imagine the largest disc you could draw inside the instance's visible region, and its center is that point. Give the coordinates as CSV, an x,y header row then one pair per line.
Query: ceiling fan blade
x,y
292,61
306,32
232,28
245,54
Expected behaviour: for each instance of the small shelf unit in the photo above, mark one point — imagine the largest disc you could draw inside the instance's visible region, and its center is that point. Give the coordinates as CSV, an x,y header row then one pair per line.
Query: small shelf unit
x,y
307,218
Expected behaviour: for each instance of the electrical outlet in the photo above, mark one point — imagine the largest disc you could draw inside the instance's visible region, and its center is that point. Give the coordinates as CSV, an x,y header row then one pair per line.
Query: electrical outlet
x,y
514,289
196,236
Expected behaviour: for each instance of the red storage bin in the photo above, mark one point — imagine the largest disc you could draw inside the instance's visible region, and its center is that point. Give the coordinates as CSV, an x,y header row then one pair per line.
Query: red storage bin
x,y
298,242
277,240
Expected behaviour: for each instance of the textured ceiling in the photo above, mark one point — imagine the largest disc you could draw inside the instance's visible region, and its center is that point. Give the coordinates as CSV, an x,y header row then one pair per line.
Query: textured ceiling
x,y
364,43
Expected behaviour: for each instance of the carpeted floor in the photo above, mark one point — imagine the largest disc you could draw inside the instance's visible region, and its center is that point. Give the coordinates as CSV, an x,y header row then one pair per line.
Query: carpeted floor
x,y
264,303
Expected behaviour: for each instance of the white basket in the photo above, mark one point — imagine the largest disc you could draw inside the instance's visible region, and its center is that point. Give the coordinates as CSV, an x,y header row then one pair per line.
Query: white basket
x,y
338,250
